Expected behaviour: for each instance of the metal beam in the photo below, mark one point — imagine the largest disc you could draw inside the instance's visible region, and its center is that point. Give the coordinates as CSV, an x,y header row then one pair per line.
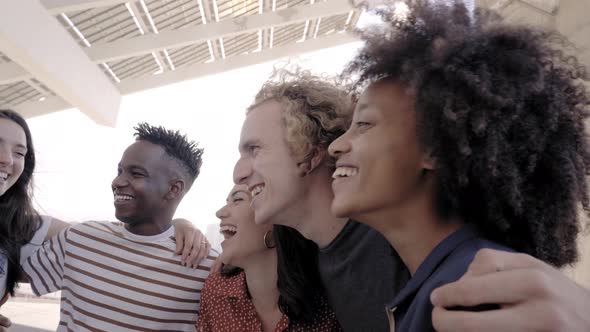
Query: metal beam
x,y
210,19
546,6
141,20
199,70
11,72
267,7
30,109
36,41
211,31
549,6
65,6
140,45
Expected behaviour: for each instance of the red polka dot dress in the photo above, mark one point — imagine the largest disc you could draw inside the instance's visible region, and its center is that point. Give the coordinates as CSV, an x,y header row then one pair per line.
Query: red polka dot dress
x,y
226,306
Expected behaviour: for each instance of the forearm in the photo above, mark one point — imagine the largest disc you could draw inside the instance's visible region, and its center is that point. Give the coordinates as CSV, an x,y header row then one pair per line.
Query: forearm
x,y
51,228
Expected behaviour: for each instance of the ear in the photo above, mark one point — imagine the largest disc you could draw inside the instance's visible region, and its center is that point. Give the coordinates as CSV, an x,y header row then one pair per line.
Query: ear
x,y
316,160
428,160
176,189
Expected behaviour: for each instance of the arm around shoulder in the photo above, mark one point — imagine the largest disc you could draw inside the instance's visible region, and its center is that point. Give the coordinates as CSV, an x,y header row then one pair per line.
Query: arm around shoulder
x,y
533,296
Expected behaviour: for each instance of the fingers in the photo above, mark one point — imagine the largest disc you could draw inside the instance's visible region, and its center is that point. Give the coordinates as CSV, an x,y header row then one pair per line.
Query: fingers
x,y
205,247
504,287
532,296
183,229
199,251
188,246
194,250
179,242
490,261
190,243
528,316
4,323
465,321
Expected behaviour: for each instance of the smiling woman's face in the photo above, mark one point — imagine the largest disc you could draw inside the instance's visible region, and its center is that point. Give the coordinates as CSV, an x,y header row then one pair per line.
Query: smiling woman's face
x,y
243,238
13,148
379,159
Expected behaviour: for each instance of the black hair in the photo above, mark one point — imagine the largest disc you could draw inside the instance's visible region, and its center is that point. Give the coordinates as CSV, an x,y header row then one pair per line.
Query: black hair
x,y
18,218
502,109
176,145
298,280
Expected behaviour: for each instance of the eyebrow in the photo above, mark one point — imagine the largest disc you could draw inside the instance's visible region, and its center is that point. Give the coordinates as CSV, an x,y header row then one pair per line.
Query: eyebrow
x,y
133,166
235,193
361,107
247,143
18,145
239,191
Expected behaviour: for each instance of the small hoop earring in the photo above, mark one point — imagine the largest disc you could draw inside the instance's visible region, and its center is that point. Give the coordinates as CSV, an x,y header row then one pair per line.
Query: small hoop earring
x,y
268,241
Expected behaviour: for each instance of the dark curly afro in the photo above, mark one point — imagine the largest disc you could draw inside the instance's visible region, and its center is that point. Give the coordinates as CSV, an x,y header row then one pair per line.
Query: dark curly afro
x,y
502,108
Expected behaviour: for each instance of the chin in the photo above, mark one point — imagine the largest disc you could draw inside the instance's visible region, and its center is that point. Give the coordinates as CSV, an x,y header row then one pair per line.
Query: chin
x,y
340,209
126,219
5,187
261,218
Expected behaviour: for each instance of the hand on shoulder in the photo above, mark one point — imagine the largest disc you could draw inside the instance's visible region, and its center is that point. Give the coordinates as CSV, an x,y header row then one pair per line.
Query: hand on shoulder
x,y
533,297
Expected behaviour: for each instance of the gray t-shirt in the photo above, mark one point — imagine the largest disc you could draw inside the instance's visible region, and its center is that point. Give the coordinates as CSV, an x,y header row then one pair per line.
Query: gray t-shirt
x,y
361,273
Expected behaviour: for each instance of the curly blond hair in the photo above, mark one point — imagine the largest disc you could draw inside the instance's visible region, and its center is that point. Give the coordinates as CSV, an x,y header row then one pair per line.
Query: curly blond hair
x,y
317,109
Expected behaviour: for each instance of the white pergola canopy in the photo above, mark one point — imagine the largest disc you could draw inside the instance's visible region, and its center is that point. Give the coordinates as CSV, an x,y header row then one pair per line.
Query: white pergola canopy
x,y
56,54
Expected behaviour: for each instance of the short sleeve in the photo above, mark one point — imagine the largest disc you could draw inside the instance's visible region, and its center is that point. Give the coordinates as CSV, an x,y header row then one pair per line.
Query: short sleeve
x,y
37,240
45,266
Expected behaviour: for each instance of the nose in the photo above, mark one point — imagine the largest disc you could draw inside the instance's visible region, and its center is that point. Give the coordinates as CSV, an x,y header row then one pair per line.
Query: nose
x,y
6,157
242,170
119,181
339,146
222,213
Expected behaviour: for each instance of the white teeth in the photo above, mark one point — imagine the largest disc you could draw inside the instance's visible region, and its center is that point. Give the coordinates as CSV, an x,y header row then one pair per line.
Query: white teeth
x,y
257,190
342,171
3,175
228,228
123,198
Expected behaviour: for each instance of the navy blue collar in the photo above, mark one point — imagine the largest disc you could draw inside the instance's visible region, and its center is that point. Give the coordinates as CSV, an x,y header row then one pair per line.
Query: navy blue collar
x,y
432,262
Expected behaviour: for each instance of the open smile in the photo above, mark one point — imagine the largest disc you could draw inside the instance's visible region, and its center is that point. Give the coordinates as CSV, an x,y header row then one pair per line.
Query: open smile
x,y
228,230
123,199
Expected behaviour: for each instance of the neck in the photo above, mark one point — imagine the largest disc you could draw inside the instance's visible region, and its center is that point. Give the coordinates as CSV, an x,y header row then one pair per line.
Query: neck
x,y
413,229
316,221
154,226
261,279
325,229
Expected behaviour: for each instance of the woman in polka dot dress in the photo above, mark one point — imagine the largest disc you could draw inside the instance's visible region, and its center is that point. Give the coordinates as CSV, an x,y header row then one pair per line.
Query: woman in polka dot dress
x,y
248,295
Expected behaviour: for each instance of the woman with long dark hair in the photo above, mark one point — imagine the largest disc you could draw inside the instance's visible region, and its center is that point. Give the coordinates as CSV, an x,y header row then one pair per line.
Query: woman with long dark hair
x,y
264,286
18,220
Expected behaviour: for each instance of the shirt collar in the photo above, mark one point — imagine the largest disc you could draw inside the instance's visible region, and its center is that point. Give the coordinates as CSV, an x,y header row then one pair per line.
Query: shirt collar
x,y
432,261
233,286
